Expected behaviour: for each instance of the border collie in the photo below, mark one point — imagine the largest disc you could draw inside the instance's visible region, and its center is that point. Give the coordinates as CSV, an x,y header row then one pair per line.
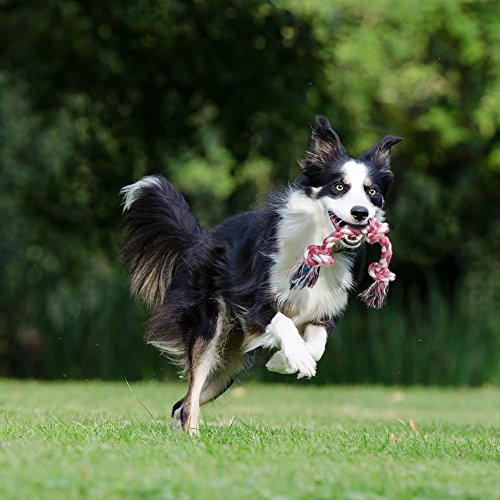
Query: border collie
x,y
219,295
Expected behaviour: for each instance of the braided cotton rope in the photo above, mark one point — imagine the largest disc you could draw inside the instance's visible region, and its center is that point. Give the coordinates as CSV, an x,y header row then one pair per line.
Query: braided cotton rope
x,y
306,273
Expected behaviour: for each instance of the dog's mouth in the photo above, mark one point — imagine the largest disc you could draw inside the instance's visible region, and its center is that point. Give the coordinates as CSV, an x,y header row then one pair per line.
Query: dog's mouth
x,y
349,240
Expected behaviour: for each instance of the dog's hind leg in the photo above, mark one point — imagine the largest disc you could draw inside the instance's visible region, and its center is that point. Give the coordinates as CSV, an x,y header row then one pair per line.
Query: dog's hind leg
x,y
202,360
232,363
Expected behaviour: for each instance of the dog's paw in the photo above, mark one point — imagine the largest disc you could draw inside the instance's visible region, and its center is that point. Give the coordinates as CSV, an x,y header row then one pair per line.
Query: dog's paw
x,y
278,364
299,359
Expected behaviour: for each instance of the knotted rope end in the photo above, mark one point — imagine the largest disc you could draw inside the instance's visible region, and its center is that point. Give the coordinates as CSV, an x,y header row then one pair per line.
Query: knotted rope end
x,y
375,295
302,275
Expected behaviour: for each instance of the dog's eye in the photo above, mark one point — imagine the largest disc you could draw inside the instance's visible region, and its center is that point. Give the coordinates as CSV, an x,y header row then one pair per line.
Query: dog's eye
x,y
372,192
339,187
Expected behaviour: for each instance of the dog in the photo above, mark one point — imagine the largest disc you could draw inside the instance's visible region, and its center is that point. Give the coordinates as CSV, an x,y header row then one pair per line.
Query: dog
x,y
219,296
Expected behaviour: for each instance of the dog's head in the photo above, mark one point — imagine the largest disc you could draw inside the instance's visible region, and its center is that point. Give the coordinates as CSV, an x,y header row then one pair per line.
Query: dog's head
x,y
351,191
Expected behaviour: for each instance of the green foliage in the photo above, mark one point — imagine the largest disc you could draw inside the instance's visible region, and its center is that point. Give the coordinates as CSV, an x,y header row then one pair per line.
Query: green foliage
x,y
218,96
95,96
58,286
82,440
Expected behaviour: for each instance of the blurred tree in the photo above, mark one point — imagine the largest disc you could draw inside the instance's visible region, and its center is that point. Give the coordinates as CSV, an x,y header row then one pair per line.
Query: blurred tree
x,y
146,81
96,95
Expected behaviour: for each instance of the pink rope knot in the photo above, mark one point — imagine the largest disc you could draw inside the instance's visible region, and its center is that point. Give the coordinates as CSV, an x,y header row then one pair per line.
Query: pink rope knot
x,y
306,273
379,273
376,231
315,256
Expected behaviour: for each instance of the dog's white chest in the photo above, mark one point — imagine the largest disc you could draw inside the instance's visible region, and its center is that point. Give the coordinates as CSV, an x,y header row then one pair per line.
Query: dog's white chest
x,y
304,224
326,299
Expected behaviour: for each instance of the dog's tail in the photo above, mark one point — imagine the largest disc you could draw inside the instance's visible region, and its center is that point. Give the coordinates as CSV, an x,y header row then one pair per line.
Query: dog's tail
x,y
160,228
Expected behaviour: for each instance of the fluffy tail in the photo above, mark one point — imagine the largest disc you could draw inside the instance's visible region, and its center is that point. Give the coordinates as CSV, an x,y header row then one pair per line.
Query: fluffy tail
x,y
160,228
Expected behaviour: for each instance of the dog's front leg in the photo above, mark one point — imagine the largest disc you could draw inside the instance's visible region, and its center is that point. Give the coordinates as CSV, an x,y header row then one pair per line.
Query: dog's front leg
x,y
294,356
315,337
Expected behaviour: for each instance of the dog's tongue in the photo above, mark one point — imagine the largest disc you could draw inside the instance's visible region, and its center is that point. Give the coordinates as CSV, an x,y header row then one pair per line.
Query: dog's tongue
x,y
352,238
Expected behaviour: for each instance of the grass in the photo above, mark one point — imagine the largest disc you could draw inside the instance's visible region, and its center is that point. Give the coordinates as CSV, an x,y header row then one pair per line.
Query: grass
x,y
92,439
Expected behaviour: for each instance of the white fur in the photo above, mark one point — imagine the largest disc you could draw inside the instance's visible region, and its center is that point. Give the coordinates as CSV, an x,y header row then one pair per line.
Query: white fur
x,y
131,192
277,363
267,341
174,350
176,421
315,337
304,222
283,334
356,174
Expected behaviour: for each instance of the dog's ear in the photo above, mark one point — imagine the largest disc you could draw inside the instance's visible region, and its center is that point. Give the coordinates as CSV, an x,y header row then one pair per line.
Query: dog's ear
x,y
380,153
325,142
325,148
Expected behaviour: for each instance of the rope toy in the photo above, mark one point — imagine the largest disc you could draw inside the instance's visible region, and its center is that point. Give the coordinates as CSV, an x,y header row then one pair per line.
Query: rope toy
x,y
306,273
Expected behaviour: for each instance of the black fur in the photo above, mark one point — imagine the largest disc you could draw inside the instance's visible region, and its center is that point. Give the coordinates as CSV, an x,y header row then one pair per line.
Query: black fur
x,y
229,264
325,154
378,158
160,228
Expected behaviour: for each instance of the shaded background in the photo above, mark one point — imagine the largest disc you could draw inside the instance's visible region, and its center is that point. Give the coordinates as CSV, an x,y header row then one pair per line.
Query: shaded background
x,y
219,96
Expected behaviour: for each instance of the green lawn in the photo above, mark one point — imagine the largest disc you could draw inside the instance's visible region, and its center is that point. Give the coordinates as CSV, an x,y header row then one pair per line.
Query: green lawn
x,y
94,440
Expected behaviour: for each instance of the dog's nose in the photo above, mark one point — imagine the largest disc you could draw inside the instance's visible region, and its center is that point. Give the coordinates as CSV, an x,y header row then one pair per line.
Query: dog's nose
x,y
359,213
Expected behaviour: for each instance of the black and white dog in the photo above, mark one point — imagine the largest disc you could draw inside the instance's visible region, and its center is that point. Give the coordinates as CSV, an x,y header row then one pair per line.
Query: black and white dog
x,y
219,295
